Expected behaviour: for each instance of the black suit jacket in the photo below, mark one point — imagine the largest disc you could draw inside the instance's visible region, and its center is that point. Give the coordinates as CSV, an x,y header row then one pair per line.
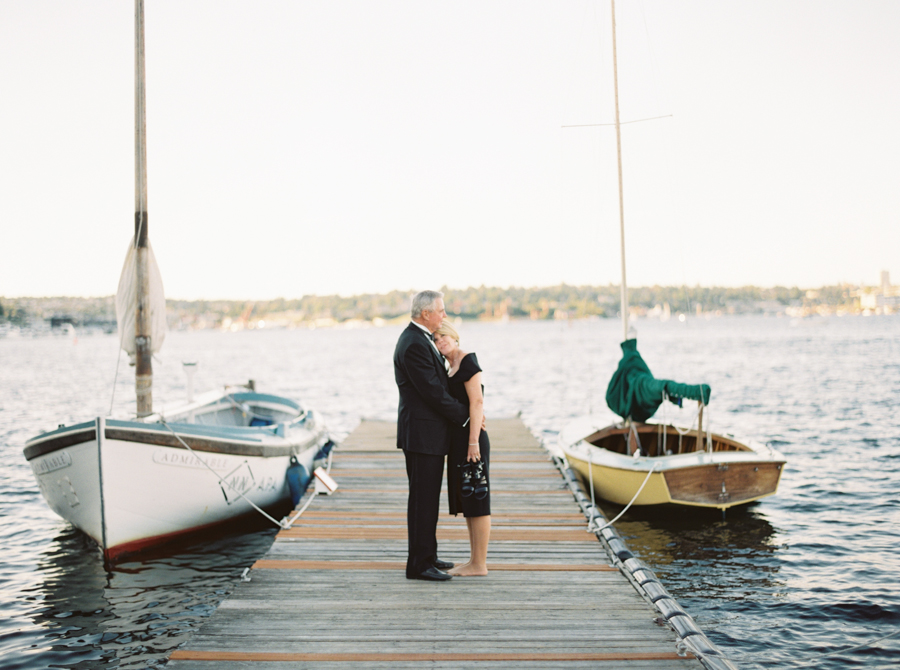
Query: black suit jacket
x,y
426,407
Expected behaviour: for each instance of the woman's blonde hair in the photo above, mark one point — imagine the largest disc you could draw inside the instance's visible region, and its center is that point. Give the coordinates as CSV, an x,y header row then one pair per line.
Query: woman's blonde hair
x,y
447,329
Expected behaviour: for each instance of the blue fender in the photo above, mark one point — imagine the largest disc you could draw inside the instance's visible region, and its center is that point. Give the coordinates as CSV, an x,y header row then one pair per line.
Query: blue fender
x,y
298,478
325,450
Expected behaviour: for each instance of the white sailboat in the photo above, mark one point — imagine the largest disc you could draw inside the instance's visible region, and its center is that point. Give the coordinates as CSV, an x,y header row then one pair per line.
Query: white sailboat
x,y
632,462
166,475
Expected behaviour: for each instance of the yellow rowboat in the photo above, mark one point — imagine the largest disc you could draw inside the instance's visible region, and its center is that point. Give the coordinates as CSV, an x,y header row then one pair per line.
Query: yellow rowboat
x,y
655,464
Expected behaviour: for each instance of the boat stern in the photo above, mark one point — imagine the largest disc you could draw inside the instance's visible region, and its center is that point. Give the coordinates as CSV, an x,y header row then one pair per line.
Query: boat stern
x,y
724,485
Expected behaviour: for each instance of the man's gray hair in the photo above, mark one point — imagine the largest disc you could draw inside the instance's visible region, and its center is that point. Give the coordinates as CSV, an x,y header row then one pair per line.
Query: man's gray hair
x,y
424,300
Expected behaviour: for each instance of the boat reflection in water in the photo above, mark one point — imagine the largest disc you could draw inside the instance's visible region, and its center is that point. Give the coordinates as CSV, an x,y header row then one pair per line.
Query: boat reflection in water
x,y
135,614
685,549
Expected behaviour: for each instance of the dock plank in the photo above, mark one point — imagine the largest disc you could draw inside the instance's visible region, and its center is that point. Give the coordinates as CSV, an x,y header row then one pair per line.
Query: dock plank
x,y
332,593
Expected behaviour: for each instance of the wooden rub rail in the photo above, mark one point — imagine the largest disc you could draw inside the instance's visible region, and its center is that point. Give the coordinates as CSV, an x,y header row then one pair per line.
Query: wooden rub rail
x,y
332,592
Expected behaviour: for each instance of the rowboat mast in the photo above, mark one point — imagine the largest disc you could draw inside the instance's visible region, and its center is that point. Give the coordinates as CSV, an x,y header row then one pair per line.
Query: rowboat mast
x,y
143,378
624,290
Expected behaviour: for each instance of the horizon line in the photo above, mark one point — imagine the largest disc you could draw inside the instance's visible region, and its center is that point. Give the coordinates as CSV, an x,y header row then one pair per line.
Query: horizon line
x,y
446,289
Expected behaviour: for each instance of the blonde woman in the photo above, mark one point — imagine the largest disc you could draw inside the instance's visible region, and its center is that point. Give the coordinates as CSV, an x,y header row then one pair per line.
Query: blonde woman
x,y
468,484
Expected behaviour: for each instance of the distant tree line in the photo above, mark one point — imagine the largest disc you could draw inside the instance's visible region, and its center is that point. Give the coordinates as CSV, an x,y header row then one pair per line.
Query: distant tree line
x,y
470,303
581,301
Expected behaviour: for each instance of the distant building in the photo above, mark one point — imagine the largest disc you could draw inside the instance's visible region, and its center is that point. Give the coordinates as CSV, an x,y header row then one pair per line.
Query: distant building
x,y
57,321
884,300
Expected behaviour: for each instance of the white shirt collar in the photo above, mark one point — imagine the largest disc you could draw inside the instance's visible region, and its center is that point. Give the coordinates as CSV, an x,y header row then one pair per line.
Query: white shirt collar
x,y
434,346
416,323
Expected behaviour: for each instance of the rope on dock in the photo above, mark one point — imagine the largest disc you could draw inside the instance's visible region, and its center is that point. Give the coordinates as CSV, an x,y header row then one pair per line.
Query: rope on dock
x,y
690,637
290,522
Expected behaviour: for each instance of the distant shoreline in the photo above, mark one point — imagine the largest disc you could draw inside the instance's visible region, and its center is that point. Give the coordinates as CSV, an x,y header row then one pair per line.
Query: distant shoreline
x,y
474,303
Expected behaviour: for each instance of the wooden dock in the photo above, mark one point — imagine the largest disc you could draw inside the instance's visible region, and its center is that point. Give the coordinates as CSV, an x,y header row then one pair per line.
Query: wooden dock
x,y
332,593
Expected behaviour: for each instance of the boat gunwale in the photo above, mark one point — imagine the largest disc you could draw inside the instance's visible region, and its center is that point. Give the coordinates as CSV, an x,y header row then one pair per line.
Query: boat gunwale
x,y
618,461
258,440
212,401
261,443
660,475
671,429
62,437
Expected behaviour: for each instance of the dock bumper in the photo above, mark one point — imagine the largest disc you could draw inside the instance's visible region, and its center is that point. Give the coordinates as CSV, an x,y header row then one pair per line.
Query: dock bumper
x,y
690,637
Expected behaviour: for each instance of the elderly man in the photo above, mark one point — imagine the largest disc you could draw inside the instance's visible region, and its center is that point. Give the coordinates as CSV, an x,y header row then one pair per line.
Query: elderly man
x,y
423,431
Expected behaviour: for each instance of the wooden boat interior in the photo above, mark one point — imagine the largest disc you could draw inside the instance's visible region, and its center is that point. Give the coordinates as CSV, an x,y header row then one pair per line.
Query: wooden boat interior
x,y
616,440
243,410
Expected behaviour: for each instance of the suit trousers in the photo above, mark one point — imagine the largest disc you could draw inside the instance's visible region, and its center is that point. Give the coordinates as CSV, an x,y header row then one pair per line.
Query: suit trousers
x,y
425,473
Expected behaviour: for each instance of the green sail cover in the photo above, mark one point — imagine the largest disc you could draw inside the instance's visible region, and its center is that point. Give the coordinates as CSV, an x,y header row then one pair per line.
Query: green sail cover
x,y
633,392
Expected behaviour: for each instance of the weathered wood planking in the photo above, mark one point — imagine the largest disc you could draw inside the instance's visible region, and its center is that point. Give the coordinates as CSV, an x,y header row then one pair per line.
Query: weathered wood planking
x,y
332,592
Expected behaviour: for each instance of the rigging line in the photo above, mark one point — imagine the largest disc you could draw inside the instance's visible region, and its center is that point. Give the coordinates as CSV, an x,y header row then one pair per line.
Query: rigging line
x,y
115,378
623,123
280,524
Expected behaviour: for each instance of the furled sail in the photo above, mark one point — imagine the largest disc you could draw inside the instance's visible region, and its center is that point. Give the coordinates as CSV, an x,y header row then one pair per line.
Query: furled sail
x,y
126,303
634,393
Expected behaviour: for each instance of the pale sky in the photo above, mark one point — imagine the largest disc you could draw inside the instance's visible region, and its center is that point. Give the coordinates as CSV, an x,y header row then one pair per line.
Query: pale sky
x,y
312,147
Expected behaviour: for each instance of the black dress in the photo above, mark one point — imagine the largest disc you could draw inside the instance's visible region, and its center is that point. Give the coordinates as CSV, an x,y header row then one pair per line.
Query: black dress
x,y
459,448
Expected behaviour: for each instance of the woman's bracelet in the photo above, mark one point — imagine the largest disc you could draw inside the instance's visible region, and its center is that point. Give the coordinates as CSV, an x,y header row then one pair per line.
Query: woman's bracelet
x,y
473,444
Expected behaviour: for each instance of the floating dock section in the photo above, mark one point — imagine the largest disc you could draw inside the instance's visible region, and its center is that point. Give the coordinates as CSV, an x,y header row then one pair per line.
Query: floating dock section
x,y
332,592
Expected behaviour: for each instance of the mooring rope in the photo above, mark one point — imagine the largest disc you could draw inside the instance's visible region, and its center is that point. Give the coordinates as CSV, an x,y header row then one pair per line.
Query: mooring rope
x,y
591,477
815,661
619,516
280,524
290,522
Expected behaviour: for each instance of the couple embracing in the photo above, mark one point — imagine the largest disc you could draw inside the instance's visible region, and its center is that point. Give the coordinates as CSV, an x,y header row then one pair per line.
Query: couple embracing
x,y
441,415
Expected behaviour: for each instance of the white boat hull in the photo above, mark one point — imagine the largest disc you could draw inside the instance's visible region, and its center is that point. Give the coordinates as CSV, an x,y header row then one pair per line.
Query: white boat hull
x,y
138,486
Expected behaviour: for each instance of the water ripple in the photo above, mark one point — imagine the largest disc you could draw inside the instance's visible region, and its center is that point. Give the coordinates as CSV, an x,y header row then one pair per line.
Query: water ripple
x,y
776,585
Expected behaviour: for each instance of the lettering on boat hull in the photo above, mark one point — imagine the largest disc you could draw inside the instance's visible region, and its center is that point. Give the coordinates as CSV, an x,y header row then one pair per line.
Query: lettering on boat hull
x,y
185,459
51,463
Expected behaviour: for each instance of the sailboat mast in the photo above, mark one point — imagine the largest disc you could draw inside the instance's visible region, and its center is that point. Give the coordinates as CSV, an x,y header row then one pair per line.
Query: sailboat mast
x,y
143,380
624,290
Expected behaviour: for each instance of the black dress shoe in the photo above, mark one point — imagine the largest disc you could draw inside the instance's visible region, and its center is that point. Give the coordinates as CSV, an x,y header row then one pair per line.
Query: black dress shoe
x,y
466,473
480,479
432,575
442,565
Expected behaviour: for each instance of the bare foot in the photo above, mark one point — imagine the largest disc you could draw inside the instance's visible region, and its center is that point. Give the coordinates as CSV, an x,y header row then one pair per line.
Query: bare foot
x,y
455,569
468,570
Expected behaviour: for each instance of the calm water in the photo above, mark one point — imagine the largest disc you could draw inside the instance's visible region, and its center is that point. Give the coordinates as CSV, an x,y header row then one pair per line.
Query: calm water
x,y
809,572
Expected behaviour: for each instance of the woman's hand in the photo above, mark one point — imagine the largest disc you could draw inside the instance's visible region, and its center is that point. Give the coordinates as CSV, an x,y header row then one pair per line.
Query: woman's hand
x,y
476,416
